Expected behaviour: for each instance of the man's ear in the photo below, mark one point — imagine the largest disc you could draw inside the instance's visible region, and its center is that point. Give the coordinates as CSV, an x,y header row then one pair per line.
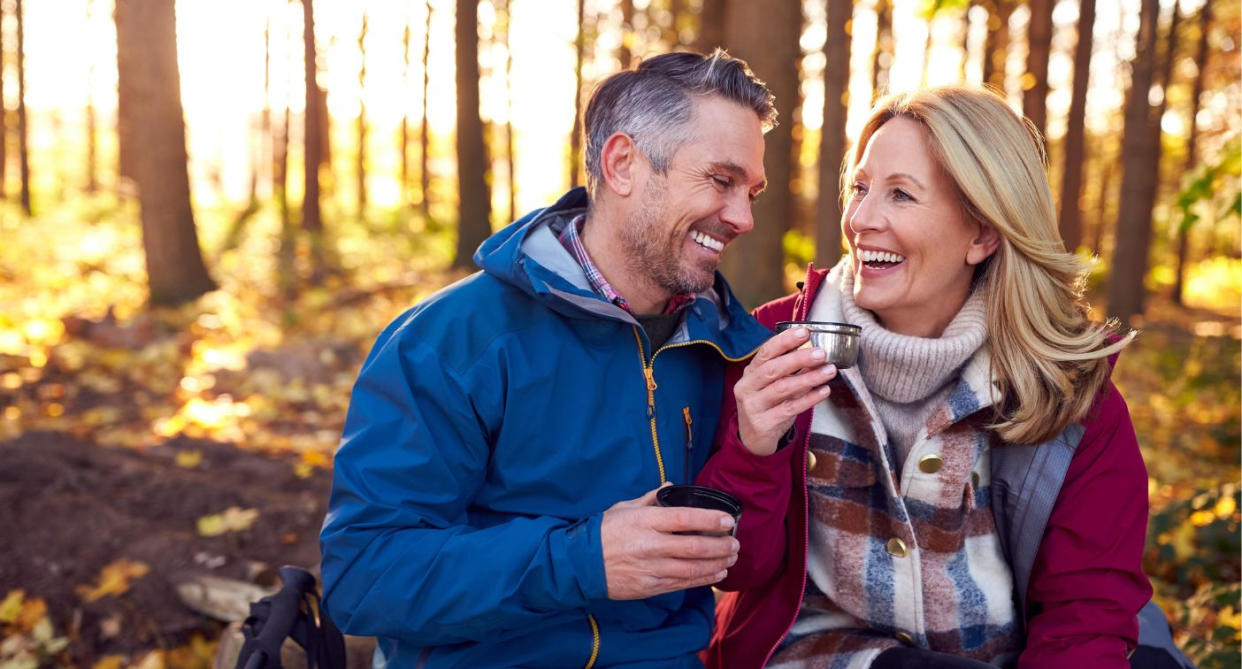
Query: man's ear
x,y
617,161
983,245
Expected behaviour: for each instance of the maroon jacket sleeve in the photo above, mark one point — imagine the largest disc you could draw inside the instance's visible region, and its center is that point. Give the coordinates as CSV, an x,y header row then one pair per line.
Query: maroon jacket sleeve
x,y
1087,584
762,483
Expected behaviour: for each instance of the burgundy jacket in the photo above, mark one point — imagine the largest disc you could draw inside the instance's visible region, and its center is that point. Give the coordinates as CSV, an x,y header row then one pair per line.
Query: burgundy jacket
x,y
1086,584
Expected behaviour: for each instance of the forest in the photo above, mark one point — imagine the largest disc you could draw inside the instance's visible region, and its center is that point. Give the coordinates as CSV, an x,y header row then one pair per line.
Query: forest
x,y
208,210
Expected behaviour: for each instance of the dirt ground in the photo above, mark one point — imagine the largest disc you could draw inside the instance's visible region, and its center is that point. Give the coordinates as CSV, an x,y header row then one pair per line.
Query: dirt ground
x,y
67,507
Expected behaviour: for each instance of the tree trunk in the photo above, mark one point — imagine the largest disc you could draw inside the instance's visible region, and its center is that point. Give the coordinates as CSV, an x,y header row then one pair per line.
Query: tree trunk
x,y
624,53
1133,230
1035,80
832,140
575,137
711,26
23,132
147,54
474,200
1105,193
313,153
1201,58
765,35
1071,176
403,140
996,44
362,120
424,137
882,52
510,156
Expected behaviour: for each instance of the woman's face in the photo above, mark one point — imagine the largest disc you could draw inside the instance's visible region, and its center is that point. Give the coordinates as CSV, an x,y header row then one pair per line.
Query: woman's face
x,y
913,247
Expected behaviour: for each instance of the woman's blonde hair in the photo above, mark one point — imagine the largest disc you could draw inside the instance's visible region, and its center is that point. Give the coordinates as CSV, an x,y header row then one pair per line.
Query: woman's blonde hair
x,y
1049,358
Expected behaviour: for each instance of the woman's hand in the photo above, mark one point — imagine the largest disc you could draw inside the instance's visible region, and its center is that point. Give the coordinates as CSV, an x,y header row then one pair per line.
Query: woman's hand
x,y
781,381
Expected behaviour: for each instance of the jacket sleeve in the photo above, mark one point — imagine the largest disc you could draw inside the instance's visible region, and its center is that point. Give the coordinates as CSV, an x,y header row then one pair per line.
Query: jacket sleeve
x,y
763,483
1087,584
400,559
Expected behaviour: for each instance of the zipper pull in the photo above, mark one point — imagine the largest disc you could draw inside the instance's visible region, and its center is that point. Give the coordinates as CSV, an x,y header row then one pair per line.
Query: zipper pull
x,y
650,374
685,412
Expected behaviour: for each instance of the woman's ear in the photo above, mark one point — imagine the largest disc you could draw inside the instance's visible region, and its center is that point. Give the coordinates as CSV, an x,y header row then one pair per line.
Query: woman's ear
x,y
617,161
983,245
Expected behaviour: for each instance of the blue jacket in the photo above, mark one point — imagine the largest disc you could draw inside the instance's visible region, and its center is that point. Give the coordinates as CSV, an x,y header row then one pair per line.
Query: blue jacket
x,y
488,431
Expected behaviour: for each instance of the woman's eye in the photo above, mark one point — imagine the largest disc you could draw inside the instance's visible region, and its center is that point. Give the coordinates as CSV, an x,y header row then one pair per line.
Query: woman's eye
x,y
899,194
858,190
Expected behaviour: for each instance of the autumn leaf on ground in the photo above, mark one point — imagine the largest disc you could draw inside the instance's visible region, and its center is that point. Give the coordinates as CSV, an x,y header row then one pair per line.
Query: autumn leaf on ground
x,y
232,519
114,579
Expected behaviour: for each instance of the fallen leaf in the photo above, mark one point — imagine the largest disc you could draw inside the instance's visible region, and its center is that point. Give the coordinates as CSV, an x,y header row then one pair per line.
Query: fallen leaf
x,y
114,579
232,519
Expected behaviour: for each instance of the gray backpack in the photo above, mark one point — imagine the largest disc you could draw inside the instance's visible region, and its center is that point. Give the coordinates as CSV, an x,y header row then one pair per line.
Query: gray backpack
x,y
1025,483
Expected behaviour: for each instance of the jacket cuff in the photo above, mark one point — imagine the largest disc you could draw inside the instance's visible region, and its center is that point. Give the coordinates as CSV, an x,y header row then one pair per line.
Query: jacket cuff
x,y
583,547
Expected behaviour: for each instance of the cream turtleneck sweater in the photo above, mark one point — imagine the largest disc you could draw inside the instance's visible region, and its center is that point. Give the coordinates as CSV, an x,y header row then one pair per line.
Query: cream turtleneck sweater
x,y
910,376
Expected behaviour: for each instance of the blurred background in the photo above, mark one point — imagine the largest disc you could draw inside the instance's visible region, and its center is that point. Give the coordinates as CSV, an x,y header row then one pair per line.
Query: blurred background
x,y
208,210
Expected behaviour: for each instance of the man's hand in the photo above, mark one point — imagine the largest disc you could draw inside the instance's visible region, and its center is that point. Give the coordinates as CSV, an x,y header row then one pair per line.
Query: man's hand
x,y
643,558
781,381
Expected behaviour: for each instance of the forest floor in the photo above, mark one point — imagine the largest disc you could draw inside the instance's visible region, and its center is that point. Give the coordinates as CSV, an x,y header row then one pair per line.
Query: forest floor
x,y
141,449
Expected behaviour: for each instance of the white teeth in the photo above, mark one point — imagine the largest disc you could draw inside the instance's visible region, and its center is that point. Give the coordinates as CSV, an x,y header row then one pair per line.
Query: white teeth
x,y
867,255
705,241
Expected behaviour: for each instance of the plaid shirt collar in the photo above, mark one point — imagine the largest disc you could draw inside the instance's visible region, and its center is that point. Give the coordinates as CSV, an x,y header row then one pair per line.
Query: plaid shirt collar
x,y
571,239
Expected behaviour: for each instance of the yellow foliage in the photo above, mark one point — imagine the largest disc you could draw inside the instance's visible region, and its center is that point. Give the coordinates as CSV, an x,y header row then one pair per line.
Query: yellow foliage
x,y
11,606
109,662
114,579
189,459
232,519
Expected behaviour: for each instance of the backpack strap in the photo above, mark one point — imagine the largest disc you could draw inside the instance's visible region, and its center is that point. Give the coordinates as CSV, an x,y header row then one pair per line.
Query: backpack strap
x,y
1026,481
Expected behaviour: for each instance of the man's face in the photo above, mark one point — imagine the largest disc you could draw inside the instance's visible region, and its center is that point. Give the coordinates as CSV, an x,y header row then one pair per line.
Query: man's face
x,y
687,216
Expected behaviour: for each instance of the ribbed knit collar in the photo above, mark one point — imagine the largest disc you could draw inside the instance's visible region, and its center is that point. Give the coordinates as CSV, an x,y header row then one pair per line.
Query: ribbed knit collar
x,y
902,368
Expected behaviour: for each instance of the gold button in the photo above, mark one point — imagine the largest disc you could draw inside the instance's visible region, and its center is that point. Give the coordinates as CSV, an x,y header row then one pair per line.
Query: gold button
x,y
930,464
810,461
896,547
974,479
905,638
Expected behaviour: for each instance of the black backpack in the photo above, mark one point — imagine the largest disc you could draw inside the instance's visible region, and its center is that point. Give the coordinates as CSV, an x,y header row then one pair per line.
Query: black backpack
x,y
293,612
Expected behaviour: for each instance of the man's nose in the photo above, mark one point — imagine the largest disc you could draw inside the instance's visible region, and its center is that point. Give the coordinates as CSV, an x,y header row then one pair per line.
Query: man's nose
x,y
737,214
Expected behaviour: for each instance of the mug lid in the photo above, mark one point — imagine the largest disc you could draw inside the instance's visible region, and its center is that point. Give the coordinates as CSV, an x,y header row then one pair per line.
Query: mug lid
x,y
820,326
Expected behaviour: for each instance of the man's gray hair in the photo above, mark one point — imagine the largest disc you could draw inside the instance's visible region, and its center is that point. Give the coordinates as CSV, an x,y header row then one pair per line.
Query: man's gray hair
x,y
653,104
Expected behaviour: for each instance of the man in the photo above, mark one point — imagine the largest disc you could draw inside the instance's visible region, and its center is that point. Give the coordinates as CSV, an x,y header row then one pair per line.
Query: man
x,y
476,516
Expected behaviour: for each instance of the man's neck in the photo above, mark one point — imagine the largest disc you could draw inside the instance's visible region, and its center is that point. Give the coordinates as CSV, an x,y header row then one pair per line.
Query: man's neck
x,y
606,252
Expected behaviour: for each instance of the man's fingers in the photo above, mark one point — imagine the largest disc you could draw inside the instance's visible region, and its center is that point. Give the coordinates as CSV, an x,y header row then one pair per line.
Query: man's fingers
x,y
648,499
688,519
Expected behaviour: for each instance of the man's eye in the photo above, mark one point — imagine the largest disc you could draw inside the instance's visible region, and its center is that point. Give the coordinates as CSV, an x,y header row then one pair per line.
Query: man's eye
x,y
723,182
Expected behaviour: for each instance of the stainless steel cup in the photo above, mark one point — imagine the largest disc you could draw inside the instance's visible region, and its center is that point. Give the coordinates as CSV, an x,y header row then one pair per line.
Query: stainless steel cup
x,y
838,340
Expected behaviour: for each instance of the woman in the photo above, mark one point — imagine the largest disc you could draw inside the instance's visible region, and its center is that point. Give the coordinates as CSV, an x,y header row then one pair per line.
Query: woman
x,y
885,550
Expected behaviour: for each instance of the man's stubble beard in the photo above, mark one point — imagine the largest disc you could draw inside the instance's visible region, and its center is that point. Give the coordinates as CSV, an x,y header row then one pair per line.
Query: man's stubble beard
x,y
656,256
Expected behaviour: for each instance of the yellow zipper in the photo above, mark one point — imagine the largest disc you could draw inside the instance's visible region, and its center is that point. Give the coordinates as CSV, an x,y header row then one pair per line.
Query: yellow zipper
x,y
594,642
685,412
649,375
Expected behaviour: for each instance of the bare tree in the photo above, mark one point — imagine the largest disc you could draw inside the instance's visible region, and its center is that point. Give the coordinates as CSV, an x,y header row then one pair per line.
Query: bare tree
x,y
1201,59
575,137
624,53
1035,80
474,198
832,142
1071,175
361,166
313,153
1133,231
882,52
23,131
424,132
996,43
403,139
147,54
510,156
711,26
766,36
